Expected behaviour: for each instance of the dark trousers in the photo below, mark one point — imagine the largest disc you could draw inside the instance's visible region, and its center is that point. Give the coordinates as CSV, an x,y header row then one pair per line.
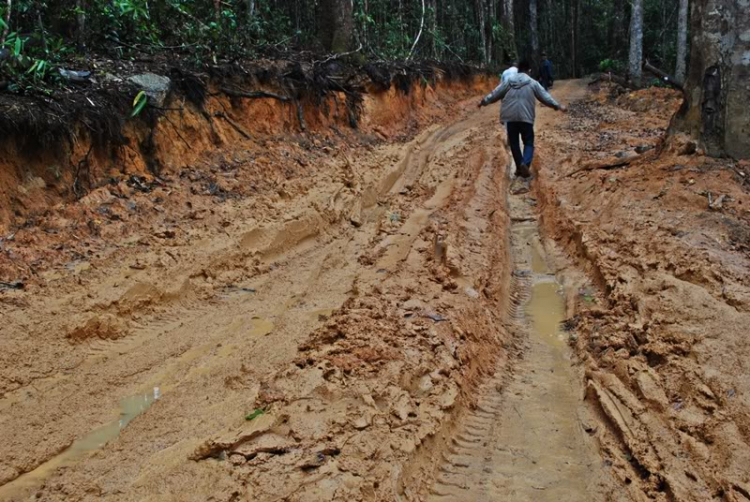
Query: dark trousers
x,y
524,131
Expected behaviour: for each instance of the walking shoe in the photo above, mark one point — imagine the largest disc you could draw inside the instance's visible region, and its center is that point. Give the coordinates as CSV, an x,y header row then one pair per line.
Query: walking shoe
x,y
523,171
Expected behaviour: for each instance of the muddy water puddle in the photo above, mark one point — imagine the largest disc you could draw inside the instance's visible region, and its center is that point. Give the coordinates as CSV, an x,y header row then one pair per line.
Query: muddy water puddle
x,y
546,308
130,407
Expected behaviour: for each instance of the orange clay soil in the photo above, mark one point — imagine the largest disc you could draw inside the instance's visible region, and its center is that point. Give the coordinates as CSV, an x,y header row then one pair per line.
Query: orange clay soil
x,y
663,310
337,316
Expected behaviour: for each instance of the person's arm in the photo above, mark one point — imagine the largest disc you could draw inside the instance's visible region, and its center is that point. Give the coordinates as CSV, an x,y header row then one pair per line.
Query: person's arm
x,y
545,97
499,93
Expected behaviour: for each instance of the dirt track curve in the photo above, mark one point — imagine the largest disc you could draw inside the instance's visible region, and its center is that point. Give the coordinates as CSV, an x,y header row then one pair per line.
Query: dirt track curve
x,y
395,327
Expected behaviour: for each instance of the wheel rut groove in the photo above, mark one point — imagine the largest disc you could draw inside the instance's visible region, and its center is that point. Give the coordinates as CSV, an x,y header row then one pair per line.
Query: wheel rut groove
x,y
523,439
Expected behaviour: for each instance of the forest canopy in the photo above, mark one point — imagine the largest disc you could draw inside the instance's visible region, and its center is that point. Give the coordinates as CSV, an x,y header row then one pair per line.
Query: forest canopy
x,y
580,36
45,41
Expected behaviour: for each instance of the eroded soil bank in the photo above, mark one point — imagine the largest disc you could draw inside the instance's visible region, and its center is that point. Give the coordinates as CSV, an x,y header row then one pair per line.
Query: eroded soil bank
x,y
367,300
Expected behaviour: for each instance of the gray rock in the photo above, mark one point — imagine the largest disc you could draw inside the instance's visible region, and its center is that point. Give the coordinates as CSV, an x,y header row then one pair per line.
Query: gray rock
x,y
156,87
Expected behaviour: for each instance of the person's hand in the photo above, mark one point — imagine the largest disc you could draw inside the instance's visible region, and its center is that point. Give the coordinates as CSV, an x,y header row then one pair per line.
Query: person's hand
x,y
480,104
563,108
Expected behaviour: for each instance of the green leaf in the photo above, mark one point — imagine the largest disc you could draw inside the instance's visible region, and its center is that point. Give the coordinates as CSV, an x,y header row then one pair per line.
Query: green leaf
x,y
18,46
258,412
139,103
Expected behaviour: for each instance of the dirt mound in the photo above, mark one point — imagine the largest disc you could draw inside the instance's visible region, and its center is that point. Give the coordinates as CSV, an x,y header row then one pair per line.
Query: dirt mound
x,y
103,327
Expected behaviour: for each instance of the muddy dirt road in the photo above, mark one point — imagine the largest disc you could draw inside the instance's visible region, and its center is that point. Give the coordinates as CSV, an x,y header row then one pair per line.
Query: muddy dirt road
x,y
391,328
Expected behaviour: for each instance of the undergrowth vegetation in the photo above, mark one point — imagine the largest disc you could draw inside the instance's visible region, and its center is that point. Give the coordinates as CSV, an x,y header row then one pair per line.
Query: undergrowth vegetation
x,y
39,38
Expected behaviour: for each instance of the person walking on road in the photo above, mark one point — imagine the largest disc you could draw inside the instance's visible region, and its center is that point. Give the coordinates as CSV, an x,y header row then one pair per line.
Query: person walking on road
x,y
519,94
545,73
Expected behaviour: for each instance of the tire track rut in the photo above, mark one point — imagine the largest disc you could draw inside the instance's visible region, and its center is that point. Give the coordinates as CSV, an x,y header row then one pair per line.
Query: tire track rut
x,y
524,439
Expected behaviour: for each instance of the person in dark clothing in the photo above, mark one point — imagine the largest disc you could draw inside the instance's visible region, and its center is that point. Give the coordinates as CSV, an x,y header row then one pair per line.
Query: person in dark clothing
x,y
520,93
545,73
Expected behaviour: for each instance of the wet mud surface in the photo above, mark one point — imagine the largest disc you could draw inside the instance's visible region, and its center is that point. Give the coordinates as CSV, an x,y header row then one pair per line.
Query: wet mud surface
x,y
387,321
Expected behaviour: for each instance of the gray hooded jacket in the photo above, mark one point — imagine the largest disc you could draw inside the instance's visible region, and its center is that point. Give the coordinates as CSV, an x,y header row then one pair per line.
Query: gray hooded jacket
x,y
519,94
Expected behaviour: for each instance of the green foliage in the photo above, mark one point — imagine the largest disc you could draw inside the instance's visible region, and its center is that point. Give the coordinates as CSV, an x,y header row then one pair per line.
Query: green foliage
x,y
255,414
611,65
139,103
42,34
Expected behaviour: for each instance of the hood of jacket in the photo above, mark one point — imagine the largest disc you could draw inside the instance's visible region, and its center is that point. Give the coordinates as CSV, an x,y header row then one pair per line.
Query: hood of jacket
x,y
520,80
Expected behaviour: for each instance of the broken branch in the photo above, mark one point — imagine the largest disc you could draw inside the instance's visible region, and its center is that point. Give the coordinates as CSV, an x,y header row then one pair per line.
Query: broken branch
x,y
663,76
611,164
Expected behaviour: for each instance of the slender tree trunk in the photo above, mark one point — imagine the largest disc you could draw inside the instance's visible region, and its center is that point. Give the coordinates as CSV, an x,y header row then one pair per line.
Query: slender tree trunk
x,y
636,43
510,29
534,29
682,28
81,23
250,10
433,28
574,8
487,6
421,28
718,81
217,10
482,29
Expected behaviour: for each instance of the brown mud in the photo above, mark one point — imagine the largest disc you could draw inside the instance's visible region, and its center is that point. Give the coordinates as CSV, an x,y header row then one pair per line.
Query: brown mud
x,y
378,319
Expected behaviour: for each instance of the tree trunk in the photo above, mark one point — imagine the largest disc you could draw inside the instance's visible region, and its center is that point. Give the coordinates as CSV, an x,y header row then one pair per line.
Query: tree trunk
x,y
433,28
718,81
217,11
81,23
682,27
574,15
636,43
510,29
534,29
482,29
335,25
419,35
250,10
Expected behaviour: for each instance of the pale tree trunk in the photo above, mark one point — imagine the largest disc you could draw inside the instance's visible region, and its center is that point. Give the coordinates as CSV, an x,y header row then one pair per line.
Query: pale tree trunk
x,y
534,28
636,43
510,28
433,28
487,9
336,25
718,80
421,28
682,28
482,30
250,10
81,23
